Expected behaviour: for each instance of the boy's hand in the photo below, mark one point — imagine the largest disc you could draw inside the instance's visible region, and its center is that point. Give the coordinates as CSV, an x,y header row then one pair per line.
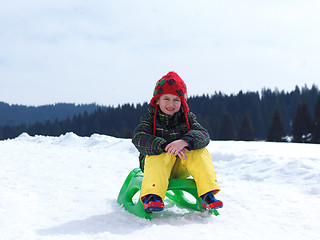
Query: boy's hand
x,y
183,154
178,148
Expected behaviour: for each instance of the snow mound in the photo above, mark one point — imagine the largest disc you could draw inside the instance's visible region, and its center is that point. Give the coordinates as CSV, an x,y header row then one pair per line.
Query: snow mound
x,y
66,188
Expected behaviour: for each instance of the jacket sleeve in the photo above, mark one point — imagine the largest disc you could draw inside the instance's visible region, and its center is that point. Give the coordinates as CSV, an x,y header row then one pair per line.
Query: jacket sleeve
x,y
198,137
145,141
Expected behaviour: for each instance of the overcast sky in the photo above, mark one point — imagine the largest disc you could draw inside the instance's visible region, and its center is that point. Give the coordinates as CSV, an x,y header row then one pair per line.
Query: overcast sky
x,y
113,52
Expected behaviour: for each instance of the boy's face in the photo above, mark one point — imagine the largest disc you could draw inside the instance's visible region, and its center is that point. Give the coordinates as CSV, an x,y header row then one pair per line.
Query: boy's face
x,y
169,104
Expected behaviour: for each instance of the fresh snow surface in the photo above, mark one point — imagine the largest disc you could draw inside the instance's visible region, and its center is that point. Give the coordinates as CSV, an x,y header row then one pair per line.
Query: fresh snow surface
x,y
66,188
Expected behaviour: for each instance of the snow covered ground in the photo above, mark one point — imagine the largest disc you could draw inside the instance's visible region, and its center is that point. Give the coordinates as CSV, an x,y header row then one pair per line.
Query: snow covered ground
x,y
66,188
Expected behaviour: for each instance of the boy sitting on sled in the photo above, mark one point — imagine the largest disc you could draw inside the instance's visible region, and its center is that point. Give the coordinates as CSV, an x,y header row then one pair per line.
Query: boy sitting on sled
x,y
172,145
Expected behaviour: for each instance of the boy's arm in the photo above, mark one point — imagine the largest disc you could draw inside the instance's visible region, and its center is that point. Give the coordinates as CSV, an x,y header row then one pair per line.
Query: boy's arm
x,y
145,141
198,137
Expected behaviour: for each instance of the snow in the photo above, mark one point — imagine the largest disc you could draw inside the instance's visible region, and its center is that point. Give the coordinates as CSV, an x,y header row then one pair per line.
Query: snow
x,y
66,188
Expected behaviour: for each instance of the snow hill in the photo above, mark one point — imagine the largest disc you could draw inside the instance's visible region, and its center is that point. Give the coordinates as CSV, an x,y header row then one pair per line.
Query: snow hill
x,y
66,188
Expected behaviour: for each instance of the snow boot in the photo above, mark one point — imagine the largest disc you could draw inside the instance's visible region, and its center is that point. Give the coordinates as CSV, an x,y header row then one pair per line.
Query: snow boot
x,y
152,203
209,202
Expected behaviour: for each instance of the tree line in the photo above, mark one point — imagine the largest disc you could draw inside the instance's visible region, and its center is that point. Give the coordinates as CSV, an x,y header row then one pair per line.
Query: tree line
x,y
19,114
268,115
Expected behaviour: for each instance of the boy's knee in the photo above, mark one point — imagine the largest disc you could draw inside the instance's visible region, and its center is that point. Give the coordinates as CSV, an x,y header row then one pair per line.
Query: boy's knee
x,y
199,159
159,161
202,152
163,155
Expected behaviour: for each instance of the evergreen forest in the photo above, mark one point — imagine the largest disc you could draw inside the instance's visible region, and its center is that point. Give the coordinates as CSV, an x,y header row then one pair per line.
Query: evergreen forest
x,y
246,116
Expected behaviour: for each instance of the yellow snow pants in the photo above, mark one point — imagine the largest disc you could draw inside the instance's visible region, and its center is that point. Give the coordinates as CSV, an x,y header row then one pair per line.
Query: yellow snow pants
x,y
158,169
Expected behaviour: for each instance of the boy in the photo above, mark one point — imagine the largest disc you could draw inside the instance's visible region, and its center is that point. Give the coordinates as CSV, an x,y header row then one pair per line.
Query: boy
x,y
172,145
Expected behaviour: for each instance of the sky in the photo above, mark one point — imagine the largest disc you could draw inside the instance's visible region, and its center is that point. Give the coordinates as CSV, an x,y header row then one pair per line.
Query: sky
x,y
113,52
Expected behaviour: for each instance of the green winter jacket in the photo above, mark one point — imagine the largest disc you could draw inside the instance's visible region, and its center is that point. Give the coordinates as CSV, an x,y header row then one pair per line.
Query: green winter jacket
x,y
168,129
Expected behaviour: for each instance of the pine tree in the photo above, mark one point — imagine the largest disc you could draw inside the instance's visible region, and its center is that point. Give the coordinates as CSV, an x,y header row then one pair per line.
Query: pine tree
x,y
245,131
1,133
316,123
227,129
302,125
276,130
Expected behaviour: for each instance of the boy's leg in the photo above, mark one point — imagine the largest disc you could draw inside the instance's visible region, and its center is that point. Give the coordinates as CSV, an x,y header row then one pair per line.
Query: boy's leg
x,y
179,169
157,170
200,166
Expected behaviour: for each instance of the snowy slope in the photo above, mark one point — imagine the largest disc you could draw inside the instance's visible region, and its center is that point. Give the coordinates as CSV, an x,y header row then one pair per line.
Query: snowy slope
x,y
66,188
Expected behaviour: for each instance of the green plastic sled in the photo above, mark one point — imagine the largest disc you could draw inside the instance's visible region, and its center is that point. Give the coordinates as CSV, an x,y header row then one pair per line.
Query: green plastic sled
x,y
176,187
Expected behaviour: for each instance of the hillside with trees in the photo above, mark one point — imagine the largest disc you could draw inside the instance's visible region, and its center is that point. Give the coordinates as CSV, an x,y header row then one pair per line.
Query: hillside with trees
x,y
268,115
19,114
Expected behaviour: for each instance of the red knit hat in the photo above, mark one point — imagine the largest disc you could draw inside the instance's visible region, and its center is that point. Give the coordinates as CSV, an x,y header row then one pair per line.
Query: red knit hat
x,y
170,84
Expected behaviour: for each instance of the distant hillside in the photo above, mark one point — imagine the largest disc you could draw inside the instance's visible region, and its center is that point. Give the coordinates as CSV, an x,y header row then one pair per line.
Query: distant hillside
x,y
19,114
243,116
